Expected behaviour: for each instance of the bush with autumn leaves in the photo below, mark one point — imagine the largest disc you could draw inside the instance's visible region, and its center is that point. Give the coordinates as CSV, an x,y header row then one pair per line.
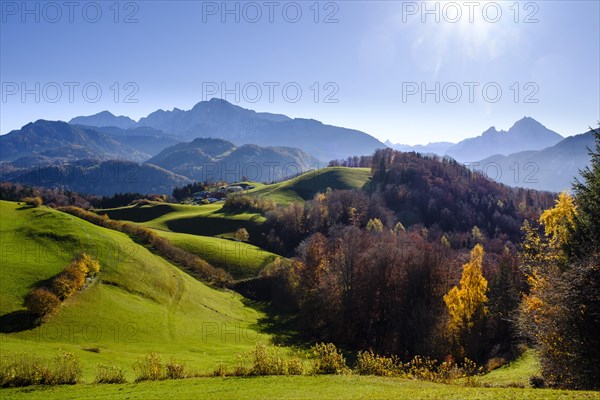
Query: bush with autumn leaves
x,y
42,301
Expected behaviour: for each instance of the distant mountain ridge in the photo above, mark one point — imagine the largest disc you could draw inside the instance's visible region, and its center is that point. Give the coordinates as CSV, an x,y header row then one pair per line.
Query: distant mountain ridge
x,y
104,118
553,168
218,118
438,148
61,141
525,134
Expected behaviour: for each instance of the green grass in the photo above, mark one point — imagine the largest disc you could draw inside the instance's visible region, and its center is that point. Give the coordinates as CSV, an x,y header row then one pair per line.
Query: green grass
x,y
203,220
305,186
241,260
142,304
516,373
289,387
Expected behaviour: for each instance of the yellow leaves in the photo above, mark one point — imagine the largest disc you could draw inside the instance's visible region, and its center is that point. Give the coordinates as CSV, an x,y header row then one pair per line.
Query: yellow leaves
x,y
466,302
559,221
320,197
375,225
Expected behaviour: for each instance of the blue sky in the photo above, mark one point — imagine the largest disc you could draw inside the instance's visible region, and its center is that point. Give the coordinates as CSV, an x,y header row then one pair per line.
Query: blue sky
x,y
358,64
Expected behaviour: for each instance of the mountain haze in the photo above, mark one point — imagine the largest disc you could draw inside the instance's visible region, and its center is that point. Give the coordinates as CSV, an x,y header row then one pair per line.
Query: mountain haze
x,y
438,148
525,134
220,119
104,118
553,168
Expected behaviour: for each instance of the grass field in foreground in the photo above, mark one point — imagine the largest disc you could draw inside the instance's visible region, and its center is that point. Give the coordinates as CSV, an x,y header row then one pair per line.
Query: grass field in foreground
x,y
305,186
141,304
291,387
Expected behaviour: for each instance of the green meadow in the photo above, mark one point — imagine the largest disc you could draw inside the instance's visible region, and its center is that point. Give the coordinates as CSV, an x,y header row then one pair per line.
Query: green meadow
x,y
141,304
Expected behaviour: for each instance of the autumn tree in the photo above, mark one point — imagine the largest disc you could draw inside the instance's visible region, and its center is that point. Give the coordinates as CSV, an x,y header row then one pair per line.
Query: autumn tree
x,y
561,311
375,225
41,302
466,305
559,222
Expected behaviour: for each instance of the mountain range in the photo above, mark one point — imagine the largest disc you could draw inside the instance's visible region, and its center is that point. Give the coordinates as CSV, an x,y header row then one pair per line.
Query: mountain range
x,y
97,160
527,155
233,143
553,168
525,134
218,118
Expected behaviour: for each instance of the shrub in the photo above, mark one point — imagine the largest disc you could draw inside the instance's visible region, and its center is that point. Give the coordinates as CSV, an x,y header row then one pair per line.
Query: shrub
x,y
494,363
422,368
295,366
63,286
33,201
41,302
24,370
328,359
93,265
241,235
264,363
21,370
69,281
369,363
149,368
220,371
110,374
175,370
67,369
73,276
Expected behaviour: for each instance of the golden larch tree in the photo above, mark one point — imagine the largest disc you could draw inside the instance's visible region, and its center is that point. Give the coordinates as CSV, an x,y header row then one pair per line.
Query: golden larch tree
x,y
466,303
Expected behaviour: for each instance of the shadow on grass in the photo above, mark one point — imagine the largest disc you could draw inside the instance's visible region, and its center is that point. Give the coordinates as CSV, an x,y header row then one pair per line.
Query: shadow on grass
x,y
136,213
17,321
282,326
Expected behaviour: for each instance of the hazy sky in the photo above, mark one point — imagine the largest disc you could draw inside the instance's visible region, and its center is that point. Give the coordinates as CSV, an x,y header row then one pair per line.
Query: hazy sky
x,y
411,72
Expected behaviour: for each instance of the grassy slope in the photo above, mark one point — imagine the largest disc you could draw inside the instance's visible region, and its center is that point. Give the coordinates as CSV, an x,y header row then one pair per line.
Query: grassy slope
x,y
205,220
193,227
304,387
517,373
143,303
241,260
305,186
